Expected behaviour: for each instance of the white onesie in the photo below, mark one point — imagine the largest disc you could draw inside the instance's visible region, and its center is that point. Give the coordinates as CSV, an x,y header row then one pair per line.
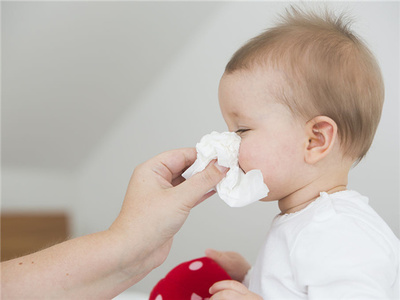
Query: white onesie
x,y
337,247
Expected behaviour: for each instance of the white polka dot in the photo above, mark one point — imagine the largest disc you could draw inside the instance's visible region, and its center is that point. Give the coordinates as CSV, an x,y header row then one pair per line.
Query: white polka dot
x,y
159,297
196,265
195,297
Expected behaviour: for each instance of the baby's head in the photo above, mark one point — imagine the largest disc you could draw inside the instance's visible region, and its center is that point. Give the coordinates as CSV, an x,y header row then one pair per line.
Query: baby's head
x,y
308,86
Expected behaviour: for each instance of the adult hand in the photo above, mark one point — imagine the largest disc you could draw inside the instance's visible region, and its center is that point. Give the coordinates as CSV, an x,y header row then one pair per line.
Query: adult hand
x,y
103,264
158,201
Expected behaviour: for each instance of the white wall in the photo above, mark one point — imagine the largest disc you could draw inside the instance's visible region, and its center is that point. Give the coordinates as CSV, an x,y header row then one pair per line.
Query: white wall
x,y
38,190
182,106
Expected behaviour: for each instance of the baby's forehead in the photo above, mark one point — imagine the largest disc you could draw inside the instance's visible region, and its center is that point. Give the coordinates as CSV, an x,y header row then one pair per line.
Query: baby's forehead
x,y
260,81
254,88
259,75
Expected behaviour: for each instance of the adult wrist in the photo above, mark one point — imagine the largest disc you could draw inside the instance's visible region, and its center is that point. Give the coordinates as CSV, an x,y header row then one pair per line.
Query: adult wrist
x,y
135,247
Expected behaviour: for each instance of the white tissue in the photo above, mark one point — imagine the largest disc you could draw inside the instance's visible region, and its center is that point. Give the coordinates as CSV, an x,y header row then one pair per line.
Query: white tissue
x,y
237,189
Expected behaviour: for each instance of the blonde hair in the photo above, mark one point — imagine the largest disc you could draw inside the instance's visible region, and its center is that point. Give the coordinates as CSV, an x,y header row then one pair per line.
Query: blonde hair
x,y
329,70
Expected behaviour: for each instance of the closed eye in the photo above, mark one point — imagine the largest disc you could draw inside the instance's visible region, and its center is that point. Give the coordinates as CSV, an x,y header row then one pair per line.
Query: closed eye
x,y
239,131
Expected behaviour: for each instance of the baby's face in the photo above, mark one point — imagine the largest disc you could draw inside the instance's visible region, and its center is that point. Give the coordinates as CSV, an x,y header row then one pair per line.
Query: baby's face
x,y
272,140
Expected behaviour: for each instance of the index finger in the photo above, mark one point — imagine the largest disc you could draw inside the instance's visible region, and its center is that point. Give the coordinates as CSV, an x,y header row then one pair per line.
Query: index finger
x,y
171,164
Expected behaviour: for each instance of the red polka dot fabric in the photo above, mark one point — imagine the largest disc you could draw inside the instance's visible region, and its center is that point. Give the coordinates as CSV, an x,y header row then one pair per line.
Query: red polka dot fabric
x,y
190,280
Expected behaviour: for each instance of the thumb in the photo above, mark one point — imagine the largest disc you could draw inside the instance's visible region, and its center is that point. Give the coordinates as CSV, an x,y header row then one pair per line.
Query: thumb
x,y
199,184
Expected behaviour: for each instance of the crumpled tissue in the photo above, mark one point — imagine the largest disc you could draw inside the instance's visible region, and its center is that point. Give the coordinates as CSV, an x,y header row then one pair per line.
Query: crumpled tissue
x,y
237,188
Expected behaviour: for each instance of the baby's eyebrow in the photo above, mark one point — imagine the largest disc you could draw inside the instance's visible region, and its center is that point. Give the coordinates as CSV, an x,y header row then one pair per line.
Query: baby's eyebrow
x,y
233,114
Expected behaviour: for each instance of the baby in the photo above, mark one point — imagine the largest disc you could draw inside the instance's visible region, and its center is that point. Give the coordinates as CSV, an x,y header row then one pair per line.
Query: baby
x,y
306,98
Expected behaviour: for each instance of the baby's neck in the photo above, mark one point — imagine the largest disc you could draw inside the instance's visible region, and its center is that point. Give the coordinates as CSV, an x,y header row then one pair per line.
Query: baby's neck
x,y
330,177
289,204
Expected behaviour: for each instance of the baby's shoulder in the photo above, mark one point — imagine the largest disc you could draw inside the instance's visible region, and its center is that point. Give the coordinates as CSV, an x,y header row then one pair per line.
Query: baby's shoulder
x,y
344,226
342,220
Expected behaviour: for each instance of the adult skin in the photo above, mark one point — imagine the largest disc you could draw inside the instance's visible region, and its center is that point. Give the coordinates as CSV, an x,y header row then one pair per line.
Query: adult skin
x,y
103,264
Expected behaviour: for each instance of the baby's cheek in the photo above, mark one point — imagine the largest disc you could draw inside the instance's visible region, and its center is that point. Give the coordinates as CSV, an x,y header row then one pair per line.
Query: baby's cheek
x,y
252,158
245,159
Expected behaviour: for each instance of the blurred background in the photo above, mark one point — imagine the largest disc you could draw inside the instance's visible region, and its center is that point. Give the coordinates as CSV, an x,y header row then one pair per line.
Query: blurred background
x,y
92,89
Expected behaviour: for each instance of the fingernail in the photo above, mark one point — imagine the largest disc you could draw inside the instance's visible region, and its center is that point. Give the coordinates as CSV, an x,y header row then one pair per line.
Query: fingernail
x,y
221,168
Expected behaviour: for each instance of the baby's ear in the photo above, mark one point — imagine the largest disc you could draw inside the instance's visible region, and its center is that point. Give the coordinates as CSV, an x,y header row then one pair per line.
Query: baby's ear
x,y
321,132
